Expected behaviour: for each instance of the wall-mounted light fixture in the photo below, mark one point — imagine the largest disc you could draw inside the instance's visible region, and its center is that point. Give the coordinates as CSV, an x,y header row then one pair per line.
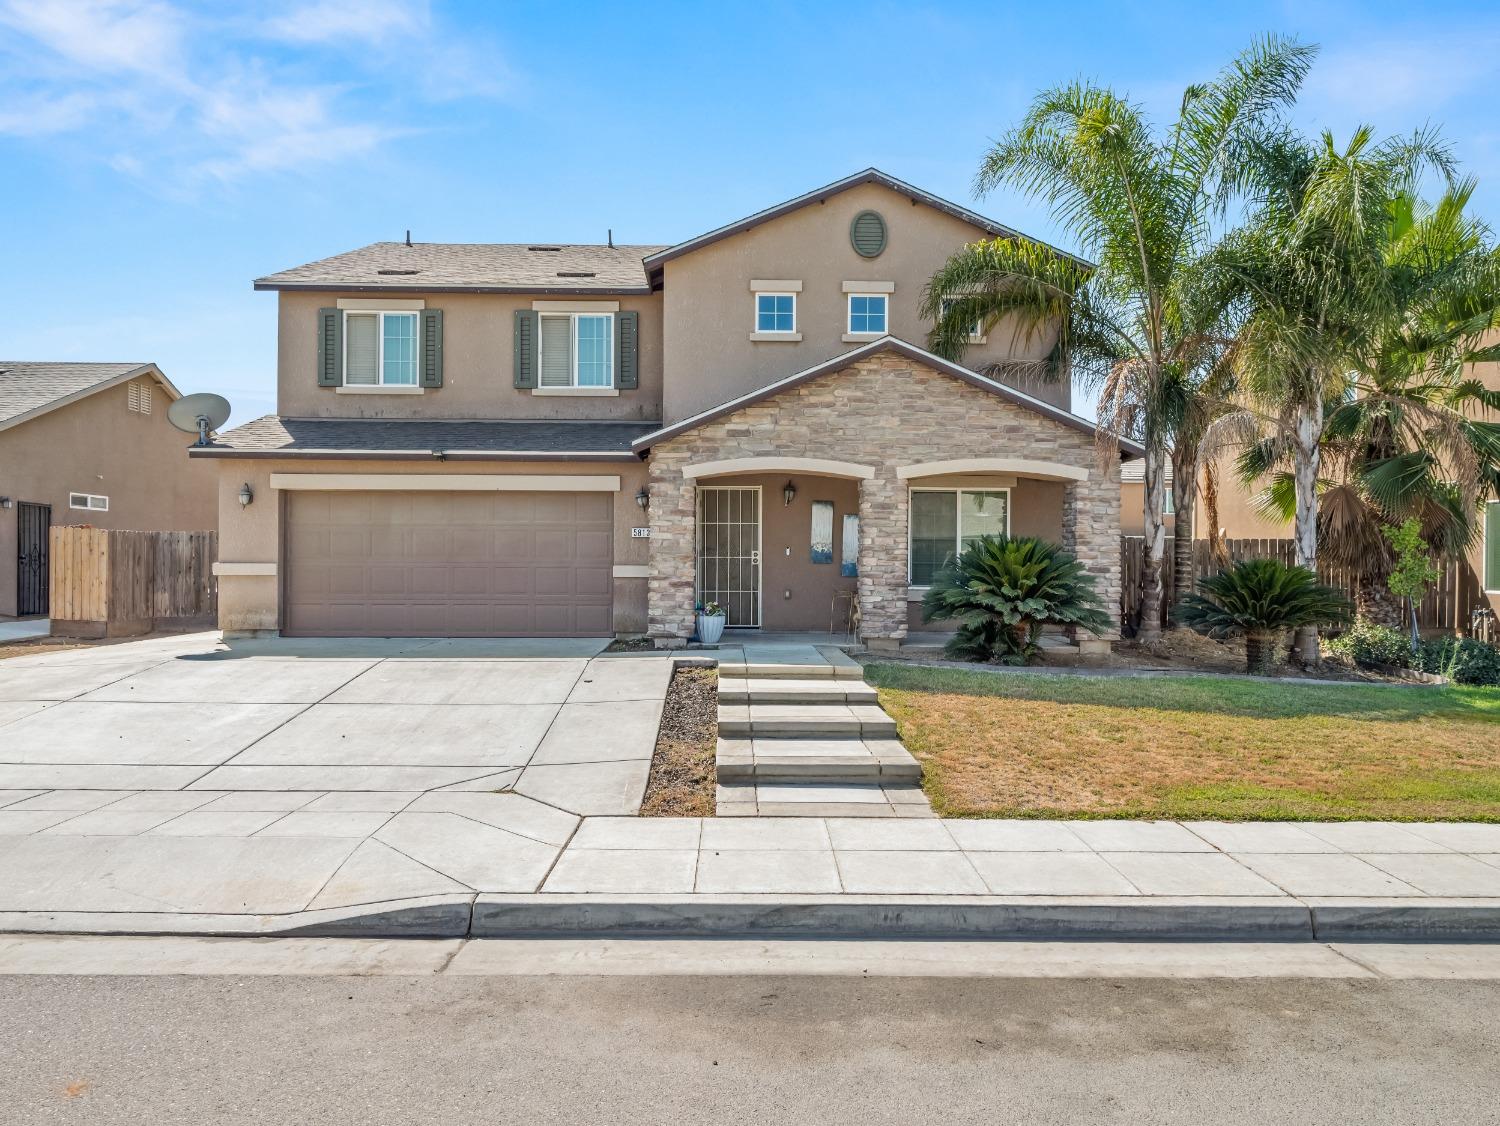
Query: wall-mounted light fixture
x,y
5,502
643,499
247,494
789,493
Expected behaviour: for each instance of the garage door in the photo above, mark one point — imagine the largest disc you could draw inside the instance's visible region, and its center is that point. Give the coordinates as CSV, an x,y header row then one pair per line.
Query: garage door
x,y
397,564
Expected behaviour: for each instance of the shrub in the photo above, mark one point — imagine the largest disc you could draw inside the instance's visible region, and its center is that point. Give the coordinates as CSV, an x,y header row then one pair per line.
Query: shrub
x,y
1262,598
1369,643
1462,660
1002,590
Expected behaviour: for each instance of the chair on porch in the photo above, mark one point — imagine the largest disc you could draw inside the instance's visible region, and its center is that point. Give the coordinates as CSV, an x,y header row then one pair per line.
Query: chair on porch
x,y
845,607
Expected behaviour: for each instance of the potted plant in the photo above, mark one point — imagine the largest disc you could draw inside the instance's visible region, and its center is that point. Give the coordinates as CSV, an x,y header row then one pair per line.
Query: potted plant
x,y
710,622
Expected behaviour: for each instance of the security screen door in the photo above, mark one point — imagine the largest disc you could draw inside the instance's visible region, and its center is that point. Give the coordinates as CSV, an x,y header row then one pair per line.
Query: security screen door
x,y
729,551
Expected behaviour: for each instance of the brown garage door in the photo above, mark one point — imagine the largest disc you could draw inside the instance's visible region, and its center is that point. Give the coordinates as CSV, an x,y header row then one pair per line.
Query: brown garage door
x,y
398,564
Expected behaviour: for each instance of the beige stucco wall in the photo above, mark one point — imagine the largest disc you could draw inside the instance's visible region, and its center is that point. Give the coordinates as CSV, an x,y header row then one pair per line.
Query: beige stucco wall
x,y
97,445
254,534
478,364
709,305
846,416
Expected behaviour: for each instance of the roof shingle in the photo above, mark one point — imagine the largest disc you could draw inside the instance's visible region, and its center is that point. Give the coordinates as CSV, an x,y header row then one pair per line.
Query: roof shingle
x,y
26,386
474,267
272,436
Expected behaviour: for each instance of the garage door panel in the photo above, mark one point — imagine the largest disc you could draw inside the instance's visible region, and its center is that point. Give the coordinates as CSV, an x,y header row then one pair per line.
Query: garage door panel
x,y
449,564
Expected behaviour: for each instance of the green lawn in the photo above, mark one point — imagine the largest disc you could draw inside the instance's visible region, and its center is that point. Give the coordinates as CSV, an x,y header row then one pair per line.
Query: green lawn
x,y
997,744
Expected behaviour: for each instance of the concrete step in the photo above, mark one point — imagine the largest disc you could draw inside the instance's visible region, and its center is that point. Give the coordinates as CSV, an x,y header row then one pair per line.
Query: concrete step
x,y
749,798
820,720
815,760
828,690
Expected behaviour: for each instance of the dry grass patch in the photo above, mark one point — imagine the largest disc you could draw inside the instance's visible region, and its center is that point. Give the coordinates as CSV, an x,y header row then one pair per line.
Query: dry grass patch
x,y
1023,745
682,767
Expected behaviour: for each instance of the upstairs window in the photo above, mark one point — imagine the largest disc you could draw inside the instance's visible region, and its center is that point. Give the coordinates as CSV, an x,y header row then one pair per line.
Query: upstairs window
x,y
576,350
976,330
945,521
775,312
380,349
867,313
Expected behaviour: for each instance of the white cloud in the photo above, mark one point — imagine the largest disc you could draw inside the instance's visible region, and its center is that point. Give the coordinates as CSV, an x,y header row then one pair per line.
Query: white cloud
x,y
179,94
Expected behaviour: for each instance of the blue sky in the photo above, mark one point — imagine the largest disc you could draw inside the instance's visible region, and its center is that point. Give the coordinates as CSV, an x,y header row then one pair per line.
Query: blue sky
x,y
157,156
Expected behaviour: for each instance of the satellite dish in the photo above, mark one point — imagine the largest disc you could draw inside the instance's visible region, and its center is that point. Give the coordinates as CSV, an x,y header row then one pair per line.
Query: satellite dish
x,y
199,414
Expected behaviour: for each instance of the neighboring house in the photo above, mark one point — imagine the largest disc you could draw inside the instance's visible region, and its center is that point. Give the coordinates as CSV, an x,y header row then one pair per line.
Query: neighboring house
x,y
88,444
1238,516
545,439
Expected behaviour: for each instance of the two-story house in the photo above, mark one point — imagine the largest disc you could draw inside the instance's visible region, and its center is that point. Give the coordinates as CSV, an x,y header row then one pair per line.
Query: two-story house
x,y
484,439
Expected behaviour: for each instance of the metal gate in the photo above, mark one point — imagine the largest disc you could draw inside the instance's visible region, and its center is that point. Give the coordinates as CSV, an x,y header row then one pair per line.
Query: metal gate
x,y
729,551
33,522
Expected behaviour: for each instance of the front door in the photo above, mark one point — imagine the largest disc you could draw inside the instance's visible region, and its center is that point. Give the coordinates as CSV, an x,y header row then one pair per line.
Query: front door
x,y
34,522
729,551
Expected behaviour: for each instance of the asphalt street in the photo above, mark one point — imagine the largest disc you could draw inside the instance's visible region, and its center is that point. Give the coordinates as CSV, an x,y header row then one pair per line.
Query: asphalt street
x,y
165,1050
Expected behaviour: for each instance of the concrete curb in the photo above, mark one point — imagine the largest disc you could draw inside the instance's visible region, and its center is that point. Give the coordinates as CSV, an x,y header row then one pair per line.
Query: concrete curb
x,y
1036,918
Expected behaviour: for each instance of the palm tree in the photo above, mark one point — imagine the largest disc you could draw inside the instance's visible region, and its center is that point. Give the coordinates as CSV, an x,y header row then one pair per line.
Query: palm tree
x,y
1410,440
1261,599
1141,204
1316,294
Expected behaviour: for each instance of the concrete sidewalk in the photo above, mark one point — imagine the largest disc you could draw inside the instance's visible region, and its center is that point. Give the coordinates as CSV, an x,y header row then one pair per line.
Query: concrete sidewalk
x,y
454,864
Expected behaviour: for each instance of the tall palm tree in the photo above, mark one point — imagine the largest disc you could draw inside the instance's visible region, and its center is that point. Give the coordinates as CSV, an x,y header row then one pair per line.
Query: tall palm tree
x,y
1410,440
1141,203
1316,293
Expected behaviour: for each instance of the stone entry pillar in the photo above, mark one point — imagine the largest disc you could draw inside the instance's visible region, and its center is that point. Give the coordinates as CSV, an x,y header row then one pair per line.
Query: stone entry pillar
x,y
670,590
1091,532
883,503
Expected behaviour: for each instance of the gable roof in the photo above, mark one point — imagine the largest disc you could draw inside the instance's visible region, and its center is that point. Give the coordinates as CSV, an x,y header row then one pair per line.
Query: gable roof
x,y
863,352
663,255
30,388
473,267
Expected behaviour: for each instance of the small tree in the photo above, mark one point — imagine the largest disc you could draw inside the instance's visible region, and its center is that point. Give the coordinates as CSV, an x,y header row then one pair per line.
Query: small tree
x,y
1414,573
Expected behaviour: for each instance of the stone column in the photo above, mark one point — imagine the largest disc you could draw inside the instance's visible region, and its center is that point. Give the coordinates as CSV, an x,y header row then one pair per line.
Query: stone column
x,y
674,555
882,559
1091,532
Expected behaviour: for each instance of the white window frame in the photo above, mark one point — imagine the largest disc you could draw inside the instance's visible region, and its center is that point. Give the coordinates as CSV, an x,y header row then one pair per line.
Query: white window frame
x,y
89,500
573,384
1168,502
1484,548
958,528
976,334
864,332
380,316
755,314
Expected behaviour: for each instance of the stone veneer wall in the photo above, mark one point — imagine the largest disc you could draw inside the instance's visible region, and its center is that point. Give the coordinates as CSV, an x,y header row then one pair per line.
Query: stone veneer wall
x,y
886,411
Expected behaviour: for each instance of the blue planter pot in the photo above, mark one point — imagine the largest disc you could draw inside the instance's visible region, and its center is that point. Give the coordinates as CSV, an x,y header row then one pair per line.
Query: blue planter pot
x,y
710,629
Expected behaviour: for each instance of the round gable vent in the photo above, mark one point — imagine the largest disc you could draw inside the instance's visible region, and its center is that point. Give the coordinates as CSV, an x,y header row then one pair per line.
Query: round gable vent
x,y
867,233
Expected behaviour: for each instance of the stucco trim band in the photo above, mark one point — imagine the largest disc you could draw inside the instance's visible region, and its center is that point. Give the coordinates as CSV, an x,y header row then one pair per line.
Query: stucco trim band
x,y
446,482
1020,465
776,464
221,568
632,571
378,304
869,287
576,306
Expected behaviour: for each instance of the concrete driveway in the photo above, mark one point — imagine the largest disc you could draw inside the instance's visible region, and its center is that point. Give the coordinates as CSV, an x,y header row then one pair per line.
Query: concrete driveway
x,y
181,773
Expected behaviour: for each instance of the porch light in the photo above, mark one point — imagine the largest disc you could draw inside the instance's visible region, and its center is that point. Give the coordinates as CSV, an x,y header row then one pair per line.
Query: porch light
x,y
789,493
5,502
643,499
247,494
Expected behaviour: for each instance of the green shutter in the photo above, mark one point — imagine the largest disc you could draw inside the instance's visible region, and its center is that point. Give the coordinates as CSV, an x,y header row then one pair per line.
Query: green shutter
x,y
627,351
525,348
1492,545
432,347
330,348
867,234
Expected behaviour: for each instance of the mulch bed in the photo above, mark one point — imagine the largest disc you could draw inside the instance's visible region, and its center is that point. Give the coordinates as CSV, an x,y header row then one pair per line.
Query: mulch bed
x,y
682,767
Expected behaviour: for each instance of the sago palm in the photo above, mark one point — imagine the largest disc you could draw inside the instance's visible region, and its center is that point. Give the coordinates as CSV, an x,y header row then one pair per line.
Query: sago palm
x,y
1143,204
1262,599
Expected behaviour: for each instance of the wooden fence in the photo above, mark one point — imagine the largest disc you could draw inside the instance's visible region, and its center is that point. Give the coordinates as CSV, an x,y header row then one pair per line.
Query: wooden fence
x,y
1446,608
115,583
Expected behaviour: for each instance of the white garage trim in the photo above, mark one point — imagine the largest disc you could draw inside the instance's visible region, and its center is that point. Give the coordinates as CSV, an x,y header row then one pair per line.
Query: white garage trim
x,y
222,568
1021,465
780,465
446,482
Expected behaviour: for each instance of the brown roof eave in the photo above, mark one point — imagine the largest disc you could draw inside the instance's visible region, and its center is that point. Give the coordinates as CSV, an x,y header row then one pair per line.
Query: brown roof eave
x,y
230,452
555,291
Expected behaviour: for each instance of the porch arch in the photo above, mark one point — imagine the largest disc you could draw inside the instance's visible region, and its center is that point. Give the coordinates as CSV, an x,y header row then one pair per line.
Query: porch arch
x,y
1030,467
776,464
